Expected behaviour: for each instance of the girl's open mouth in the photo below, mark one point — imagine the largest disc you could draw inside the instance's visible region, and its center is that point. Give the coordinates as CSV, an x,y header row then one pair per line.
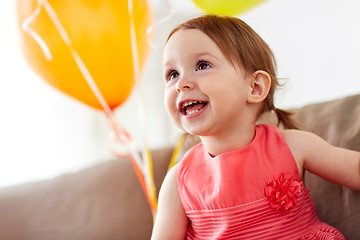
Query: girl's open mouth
x,y
188,108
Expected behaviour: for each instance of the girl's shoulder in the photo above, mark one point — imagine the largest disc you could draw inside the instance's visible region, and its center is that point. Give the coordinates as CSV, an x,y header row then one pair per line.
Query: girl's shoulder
x,y
302,143
297,139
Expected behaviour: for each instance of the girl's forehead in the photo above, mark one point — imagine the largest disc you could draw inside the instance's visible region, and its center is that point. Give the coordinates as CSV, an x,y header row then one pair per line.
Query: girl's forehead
x,y
189,41
187,36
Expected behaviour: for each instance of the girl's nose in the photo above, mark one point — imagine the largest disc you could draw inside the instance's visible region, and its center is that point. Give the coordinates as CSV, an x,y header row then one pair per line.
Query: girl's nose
x,y
184,84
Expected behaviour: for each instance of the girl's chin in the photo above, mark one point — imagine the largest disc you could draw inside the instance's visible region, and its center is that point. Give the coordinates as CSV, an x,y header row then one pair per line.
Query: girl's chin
x,y
194,131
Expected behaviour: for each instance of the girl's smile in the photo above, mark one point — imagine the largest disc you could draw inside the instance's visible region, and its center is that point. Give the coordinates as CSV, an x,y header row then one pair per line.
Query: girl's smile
x,y
192,108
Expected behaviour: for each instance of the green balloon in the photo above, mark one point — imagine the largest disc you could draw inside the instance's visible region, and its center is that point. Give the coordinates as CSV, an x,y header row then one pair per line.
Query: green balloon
x,y
226,7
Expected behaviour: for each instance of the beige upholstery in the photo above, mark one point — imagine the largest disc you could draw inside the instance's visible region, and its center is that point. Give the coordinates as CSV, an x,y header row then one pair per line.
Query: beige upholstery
x,y
106,202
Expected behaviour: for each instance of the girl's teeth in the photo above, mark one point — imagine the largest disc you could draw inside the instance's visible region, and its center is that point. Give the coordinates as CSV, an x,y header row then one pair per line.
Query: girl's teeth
x,y
188,103
195,111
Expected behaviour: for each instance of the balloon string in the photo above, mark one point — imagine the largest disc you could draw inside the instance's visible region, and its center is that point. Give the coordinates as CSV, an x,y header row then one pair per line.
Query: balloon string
x,y
175,156
148,173
158,22
25,26
76,57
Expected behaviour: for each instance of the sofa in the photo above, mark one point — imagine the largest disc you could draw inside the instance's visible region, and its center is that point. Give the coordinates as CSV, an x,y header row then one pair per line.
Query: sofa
x,y
105,201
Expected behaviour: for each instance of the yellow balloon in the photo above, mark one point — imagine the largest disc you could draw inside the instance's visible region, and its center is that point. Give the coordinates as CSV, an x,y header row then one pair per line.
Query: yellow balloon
x,y
226,7
100,34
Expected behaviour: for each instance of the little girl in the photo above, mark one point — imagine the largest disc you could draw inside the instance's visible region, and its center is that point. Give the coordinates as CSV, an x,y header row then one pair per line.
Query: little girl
x,y
244,180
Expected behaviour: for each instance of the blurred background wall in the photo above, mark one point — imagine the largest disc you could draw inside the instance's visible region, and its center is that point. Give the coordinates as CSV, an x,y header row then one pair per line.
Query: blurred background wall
x,y
44,133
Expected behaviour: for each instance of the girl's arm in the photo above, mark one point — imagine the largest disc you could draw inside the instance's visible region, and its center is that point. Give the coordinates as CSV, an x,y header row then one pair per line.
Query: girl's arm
x,y
335,164
171,221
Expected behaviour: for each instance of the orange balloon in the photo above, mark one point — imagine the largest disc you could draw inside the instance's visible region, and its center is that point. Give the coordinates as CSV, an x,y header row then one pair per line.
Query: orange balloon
x,y
100,34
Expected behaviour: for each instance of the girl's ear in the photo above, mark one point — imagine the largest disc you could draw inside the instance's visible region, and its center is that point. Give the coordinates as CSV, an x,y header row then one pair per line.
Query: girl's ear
x,y
260,84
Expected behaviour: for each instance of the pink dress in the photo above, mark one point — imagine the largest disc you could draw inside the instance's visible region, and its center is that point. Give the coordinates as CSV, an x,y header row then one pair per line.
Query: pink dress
x,y
253,193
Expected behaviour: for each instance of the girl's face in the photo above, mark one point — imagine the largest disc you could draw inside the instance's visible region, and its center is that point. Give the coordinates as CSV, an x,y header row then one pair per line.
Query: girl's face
x,y
205,94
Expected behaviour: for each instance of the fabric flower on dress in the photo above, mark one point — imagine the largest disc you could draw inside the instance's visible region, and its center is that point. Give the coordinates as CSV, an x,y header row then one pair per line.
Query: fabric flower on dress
x,y
283,192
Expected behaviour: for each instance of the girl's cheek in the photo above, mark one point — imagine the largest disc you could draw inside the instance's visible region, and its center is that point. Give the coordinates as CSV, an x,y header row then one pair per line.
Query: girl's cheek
x,y
168,103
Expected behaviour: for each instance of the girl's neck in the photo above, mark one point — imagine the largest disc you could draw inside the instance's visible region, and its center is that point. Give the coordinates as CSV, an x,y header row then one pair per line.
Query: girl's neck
x,y
233,141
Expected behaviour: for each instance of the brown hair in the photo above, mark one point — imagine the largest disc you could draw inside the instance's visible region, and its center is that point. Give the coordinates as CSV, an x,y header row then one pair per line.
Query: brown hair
x,y
243,46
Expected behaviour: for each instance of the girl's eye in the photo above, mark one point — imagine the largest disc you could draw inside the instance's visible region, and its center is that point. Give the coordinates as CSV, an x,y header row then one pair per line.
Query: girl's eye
x,y
171,75
202,65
